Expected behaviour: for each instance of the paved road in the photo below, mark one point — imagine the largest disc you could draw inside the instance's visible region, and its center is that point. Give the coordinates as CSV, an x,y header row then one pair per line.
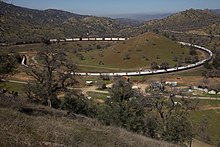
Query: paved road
x,y
92,89
15,81
200,98
198,143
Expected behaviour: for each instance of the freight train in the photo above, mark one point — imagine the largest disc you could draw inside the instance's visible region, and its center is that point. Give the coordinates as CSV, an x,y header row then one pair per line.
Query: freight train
x,y
87,39
159,71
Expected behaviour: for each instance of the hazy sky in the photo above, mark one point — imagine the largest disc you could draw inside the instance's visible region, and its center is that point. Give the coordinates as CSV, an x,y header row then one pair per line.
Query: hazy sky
x,y
112,7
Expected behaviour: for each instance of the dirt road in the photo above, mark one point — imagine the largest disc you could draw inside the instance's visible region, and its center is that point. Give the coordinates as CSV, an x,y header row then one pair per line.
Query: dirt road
x,y
197,143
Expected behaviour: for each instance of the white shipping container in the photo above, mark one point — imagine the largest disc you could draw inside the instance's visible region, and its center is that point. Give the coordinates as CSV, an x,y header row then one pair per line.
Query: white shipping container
x,y
53,40
108,39
92,39
69,39
95,74
114,39
85,39
76,39
121,39
99,39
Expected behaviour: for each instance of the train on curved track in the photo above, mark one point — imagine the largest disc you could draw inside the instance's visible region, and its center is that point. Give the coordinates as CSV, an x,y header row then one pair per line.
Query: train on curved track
x,y
140,72
159,71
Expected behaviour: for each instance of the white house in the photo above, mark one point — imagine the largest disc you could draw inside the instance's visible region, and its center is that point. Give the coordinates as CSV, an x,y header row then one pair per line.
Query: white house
x,y
135,87
212,92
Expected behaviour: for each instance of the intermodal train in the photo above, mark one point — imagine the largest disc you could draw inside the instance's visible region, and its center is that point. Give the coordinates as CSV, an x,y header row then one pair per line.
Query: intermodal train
x,y
159,71
88,39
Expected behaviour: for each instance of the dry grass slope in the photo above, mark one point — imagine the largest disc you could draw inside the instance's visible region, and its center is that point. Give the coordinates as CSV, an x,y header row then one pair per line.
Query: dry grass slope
x,y
49,127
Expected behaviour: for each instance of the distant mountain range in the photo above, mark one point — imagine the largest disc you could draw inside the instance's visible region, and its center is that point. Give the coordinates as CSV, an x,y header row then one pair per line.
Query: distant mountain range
x,y
142,17
23,24
216,11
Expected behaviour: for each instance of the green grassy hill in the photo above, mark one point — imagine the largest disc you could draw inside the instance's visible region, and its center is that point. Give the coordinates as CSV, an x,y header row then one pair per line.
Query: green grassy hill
x,y
135,53
33,125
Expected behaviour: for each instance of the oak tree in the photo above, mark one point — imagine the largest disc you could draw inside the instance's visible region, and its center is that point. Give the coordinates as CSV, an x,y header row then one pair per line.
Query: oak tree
x,y
53,74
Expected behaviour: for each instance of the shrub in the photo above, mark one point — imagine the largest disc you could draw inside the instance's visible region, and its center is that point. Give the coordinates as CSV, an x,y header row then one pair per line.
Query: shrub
x,y
79,104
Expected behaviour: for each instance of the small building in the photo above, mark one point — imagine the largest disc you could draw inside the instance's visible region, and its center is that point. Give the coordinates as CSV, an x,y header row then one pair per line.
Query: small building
x,y
201,89
135,87
89,83
173,84
89,97
212,92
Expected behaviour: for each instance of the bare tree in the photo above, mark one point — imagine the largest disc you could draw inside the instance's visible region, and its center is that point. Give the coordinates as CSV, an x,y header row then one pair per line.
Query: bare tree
x,y
54,75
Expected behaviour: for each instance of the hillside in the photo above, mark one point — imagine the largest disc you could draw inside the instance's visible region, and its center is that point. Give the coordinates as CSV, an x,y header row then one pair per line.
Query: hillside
x,y
133,54
20,24
216,11
23,24
33,125
213,29
185,20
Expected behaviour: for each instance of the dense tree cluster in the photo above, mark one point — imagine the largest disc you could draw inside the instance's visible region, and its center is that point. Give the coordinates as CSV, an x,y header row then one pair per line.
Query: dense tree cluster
x,y
213,69
155,117
158,118
77,103
8,64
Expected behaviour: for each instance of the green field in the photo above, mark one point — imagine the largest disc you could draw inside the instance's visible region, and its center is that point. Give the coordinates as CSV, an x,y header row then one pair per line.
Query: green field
x,y
12,86
207,110
213,117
